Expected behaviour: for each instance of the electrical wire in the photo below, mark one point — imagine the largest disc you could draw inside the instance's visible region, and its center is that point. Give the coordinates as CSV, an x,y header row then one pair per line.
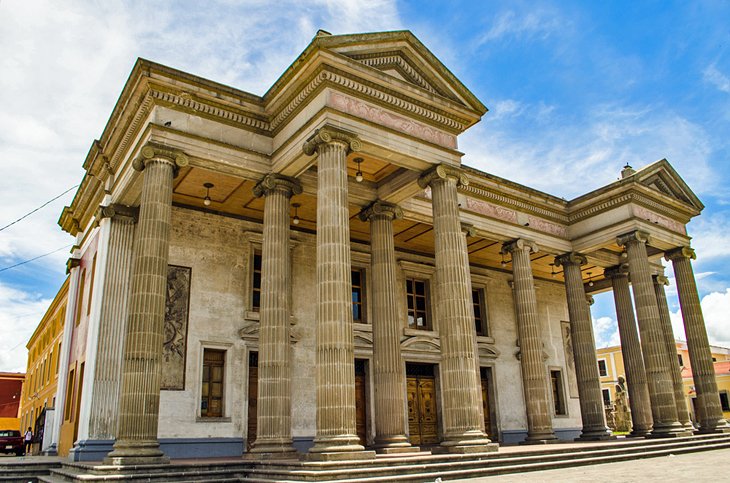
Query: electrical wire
x,y
43,205
35,258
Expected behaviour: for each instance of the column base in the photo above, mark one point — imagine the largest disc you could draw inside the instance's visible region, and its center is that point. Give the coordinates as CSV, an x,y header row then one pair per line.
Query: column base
x,y
541,438
347,443
465,448
714,430
394,444
602,434
397,449
132,453
272,449
639,433
339,455
673,430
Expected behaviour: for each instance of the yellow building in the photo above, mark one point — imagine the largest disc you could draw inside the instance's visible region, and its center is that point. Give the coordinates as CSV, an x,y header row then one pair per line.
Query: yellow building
x,y
44,349
611,366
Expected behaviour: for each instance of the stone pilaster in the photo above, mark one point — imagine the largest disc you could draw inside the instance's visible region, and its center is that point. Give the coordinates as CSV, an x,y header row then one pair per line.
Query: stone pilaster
x,y
388,369
703,371
636,384
139,403
534,372
671,347
273,426
463,421
336,429
584,350
112,321
656,363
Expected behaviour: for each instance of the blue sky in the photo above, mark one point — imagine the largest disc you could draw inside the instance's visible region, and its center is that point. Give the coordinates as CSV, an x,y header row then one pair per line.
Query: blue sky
x,y
575,91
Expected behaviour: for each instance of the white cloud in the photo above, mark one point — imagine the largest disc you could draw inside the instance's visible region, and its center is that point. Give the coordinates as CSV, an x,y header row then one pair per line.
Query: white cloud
x,y
20,313
710,235
716,312
712,75
605,332
537,24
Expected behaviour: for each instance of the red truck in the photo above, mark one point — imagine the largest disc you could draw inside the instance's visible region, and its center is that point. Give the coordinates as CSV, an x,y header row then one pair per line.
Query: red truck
x,y
11,441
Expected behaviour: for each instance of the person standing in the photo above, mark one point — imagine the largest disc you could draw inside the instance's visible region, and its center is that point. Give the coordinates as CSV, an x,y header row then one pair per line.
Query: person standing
x,y
28,440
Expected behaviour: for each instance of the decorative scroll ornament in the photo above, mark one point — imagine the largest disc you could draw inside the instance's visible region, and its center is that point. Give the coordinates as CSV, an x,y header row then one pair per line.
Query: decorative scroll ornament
x,y
153,151
519,244
381,208
275,181
681,252
328,134
127,214
617,272
468,229
634,236
571,258
443,172
661,280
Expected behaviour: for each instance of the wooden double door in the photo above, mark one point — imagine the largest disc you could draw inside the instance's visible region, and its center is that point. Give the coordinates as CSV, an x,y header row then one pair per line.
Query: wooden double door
x,y
422,408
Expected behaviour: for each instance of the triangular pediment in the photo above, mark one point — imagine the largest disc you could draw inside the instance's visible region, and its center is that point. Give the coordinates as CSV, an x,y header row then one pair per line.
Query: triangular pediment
x,y
662,177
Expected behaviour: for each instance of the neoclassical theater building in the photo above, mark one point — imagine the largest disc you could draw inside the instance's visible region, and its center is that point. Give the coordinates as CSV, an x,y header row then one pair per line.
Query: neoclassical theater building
x,y
314,271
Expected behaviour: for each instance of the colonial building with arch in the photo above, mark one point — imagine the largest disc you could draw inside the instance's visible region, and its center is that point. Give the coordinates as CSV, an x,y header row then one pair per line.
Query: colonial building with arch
x,y
315,271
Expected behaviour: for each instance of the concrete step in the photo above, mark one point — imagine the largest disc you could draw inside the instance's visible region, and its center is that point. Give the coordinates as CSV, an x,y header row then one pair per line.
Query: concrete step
x,y
25,469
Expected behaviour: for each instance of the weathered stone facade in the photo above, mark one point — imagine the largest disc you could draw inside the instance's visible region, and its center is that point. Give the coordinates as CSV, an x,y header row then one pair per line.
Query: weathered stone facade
x,y
353,287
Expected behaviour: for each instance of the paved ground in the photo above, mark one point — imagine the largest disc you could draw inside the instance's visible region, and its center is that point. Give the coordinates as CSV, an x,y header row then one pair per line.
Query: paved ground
x,y
710,466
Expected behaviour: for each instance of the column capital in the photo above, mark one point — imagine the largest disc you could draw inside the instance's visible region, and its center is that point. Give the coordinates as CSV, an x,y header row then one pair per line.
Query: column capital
x,y
381,208
329,134
638,235
660,280
72,263
617,272
681,252
127,214
571,258
519,244
275,181
468,229
154,151
442,172
590,300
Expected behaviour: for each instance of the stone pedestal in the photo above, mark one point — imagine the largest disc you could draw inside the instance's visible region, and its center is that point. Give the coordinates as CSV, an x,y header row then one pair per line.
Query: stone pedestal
x,y
661,390
674,370
631,350
140,395
336,429
463,421
534,372
584,350
273,423
703,371
388,367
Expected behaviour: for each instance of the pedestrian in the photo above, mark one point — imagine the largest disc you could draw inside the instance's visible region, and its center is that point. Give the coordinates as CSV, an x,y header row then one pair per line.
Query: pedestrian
x,y
28,440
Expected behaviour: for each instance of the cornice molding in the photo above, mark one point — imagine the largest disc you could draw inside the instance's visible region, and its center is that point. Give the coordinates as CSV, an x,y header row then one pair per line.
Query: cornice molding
x,y
486,193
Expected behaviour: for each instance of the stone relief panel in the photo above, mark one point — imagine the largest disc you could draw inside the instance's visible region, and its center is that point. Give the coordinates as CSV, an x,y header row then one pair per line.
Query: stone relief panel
x,y
569,358
174,347
660,220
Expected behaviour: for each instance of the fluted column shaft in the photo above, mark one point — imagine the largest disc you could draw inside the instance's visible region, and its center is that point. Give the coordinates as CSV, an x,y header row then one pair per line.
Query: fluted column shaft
x,y
112,322
661,390
336,427
703,371
463,421
584,350
636,384
273,423
532,363
140,395
388,369
671,347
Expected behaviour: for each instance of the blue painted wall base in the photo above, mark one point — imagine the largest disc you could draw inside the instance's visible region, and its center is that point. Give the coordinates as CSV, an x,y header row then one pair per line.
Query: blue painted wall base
x,y
96,450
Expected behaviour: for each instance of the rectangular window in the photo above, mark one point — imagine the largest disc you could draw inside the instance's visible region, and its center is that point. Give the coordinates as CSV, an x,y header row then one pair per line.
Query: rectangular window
x,y
211,403
358,296
606,397
724,402
480,314
80,296
679,359
556,380
69,395
417,295
256,283
602,370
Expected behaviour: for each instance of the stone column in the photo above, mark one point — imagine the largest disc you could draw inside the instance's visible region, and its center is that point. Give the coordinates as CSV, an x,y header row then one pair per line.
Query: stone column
x,y
636,384
114,296
139,404
671,347
388,369
584,350
661,390
532,362
703,371
336,429
273,424
463,421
